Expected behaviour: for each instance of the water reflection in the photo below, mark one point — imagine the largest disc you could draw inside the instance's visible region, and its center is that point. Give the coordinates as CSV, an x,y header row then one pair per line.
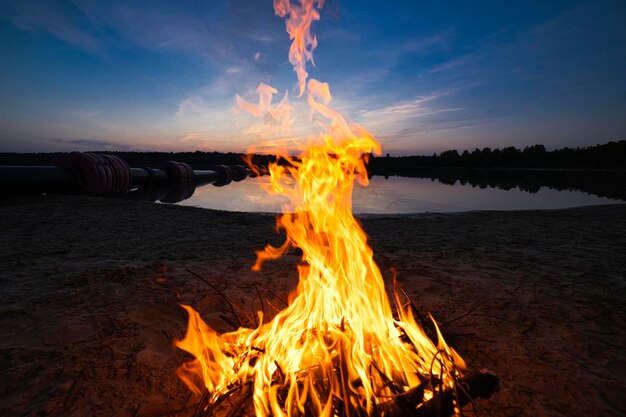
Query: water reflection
x,y
400,195
603,183
165,193
247,195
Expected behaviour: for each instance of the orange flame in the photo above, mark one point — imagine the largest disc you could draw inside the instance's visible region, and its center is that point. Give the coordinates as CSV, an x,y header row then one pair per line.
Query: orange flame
x,y
338,337
280,112
298,24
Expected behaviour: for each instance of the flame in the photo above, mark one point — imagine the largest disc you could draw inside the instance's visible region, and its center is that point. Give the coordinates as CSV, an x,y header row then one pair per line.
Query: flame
x,y
280,113
298,25
337,344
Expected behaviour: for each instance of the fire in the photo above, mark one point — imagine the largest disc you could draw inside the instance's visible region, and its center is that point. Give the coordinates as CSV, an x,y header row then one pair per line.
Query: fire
x,y
338,345
298,25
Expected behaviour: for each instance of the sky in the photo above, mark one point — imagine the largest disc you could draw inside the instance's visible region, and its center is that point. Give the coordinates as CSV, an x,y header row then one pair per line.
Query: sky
x,y
422,76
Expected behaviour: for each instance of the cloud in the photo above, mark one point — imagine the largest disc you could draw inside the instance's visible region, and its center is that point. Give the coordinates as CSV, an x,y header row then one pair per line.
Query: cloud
x,y
61,19
93,145
200,29
163,27
216,99
196,106
404,109
397,115
437,41
196,140
218,31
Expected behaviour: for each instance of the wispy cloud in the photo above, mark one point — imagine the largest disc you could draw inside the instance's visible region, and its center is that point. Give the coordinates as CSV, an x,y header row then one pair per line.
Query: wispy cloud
x,y
403,110
197,106
166,28
440,40
61,19
93,145
417,111
204,30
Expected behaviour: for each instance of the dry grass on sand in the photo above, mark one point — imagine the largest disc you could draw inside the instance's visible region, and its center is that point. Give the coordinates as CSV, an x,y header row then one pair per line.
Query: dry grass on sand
x,y
91,287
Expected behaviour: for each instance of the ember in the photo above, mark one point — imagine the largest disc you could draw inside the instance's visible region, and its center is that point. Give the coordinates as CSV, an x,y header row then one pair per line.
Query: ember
x,y
338,348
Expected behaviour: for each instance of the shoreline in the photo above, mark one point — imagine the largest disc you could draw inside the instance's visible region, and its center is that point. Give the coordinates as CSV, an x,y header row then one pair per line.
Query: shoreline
x,y
91,289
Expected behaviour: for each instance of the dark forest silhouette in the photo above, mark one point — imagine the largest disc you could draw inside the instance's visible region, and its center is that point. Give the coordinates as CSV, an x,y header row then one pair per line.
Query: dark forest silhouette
x,y
610,155
599,170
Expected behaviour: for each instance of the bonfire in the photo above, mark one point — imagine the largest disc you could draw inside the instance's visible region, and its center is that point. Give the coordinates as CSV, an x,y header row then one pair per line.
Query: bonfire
x,y
340,347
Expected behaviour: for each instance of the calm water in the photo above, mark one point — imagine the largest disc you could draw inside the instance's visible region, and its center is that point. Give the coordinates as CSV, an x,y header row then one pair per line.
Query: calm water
x,y
398,195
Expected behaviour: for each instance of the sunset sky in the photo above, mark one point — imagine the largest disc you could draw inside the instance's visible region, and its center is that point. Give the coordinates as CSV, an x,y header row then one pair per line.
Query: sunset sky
x,y
423,76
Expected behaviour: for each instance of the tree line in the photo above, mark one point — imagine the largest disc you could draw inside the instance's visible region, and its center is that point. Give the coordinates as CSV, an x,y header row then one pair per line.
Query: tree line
x,y
610,155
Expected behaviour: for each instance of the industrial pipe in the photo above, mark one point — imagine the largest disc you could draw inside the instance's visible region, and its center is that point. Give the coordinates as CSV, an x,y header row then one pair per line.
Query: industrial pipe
x,y
97,174
37,179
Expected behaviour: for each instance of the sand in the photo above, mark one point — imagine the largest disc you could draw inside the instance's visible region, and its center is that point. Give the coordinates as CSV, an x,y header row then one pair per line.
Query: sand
x,y
91,289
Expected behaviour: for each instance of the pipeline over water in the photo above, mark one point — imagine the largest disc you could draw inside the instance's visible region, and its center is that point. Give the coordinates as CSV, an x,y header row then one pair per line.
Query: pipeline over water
x,y
100,174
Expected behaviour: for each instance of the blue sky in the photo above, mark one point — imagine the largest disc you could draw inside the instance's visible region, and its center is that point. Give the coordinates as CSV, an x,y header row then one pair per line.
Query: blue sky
x,y
423,76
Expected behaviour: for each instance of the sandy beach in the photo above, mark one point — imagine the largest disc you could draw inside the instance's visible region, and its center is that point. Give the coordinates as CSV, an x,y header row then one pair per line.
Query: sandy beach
x,y
91,289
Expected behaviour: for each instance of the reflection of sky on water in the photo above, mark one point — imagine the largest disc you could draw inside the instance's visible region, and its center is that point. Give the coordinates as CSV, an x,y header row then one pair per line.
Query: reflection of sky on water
x,y
397,195
246,195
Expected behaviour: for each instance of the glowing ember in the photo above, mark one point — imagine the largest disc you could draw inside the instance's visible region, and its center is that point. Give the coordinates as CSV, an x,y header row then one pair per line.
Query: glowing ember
x,y
337,346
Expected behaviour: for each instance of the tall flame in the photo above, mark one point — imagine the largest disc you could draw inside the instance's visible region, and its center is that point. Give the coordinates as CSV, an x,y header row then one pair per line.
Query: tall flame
x,y
338,341
298,25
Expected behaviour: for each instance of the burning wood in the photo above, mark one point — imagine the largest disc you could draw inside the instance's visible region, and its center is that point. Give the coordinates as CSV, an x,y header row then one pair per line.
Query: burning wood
x,y
337,348
237,400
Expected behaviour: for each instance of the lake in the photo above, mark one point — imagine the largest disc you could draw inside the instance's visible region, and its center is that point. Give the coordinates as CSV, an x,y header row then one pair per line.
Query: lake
x,y
400,195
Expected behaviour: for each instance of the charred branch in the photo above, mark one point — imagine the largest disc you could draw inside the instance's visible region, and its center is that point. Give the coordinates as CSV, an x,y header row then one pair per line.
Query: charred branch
x,y
475,385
